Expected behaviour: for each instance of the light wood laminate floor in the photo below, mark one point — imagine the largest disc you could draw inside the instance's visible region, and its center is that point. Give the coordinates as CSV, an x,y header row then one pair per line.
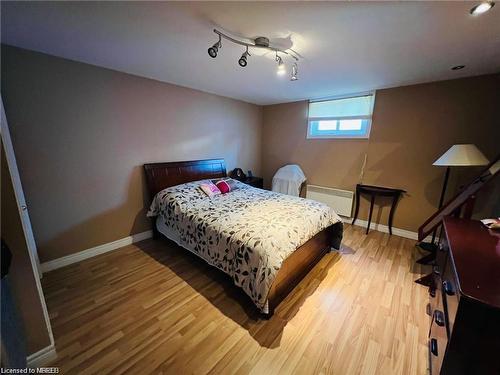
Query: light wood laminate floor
x,y
152,307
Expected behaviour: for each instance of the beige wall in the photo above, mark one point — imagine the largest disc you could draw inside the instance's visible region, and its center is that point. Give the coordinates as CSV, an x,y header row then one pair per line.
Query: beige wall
x,y
21,276
82,133
412,126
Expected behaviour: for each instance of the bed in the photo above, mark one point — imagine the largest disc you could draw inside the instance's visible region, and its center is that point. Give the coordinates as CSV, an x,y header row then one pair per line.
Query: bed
x,y
265,241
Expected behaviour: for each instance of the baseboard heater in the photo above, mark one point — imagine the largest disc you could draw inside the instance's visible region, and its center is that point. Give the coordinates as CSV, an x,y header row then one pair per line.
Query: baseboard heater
x,y
340,200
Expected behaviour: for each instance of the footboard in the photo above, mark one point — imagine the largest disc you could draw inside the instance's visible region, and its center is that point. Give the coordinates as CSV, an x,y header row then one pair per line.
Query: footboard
x,y
300,262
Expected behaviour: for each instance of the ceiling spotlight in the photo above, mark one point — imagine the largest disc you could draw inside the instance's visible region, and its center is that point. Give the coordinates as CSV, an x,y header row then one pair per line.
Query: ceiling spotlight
x,y
295,70
212,51
457,67
243,59
482,7
281,66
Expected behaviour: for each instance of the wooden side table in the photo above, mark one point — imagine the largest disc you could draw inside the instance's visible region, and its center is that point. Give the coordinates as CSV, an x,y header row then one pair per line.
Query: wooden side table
x,y
374,191
257,182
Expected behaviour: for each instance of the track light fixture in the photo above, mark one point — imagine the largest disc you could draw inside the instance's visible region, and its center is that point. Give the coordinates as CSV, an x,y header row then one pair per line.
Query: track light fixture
x,y
281,66
295,70
260,42
243,59
212,51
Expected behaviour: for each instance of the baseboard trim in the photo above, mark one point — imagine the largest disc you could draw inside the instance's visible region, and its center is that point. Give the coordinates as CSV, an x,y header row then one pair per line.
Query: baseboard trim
x,y
384,228
92,252
101,249
42,357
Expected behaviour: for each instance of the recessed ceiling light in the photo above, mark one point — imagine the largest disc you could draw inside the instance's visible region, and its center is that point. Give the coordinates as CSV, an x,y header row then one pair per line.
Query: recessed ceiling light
x,y
457,67
482,7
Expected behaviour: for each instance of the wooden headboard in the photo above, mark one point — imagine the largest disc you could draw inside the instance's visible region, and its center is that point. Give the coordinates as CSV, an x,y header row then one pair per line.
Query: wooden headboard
x,y
163,175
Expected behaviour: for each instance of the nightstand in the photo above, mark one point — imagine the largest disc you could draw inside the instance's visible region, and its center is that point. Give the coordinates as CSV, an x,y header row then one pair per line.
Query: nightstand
x,y
257,182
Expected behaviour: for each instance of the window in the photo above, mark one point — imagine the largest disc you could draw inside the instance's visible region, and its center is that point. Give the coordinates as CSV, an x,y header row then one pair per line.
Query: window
x,y
346,117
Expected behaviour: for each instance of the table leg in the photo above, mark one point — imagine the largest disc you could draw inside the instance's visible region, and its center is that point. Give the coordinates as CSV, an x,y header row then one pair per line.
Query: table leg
x,y
371,211
391,213
357,207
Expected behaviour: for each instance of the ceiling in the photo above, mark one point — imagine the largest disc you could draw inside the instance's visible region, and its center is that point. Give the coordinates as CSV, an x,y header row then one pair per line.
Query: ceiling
x,y
347,47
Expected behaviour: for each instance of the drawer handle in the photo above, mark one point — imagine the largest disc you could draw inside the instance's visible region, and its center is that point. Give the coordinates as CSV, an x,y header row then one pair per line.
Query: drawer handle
x,y
448,288
434,347
439,318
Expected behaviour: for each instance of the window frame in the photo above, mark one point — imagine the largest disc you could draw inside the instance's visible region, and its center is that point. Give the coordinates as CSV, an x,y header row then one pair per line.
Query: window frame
x,y
366,135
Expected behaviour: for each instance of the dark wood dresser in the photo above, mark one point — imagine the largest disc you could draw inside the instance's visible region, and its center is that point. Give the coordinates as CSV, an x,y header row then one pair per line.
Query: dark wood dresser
x,y
464,336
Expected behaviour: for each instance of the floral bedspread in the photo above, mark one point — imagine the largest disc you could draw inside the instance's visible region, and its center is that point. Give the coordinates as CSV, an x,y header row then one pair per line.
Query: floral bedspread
x,y
247,233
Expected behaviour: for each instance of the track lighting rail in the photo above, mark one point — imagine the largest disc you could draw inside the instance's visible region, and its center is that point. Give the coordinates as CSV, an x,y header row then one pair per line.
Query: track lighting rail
x,y
254,45
260,42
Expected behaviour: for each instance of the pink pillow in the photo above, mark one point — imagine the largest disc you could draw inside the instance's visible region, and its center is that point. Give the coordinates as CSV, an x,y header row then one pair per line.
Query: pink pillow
x,y
210,189
223,186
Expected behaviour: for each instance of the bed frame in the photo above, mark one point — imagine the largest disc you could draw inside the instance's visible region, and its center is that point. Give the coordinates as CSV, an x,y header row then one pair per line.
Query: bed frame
x,y
162,175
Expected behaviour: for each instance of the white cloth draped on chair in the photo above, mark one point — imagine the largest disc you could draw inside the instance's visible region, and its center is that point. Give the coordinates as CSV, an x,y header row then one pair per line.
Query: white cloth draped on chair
x,y
288,180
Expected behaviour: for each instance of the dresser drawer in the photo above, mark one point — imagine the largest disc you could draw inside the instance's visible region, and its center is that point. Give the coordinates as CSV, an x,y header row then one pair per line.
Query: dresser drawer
x,y
435,297
450,295
438,337
438,341
435,289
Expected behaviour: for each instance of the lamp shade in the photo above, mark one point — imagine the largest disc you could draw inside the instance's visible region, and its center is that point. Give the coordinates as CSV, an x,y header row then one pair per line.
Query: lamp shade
x,y
462,156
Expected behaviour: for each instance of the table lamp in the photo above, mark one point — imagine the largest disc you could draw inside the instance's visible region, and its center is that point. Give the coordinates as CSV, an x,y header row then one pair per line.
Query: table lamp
x,y
459,155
